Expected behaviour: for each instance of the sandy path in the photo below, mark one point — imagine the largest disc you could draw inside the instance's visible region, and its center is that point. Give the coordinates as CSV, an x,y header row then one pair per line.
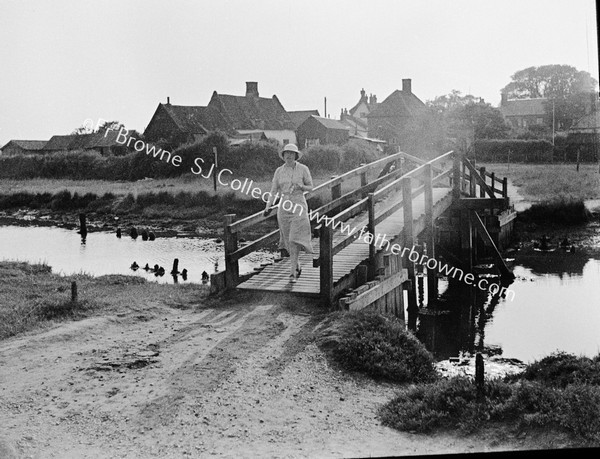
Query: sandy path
x,y
242,381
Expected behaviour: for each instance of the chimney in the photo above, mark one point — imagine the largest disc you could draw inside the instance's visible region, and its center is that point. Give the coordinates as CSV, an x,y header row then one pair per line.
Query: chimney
x,y
504,99
406,85
168,100
251,89
363,95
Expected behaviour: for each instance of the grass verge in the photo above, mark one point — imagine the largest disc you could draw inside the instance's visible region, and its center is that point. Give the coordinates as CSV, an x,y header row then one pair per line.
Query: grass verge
x,y
377,345
32,297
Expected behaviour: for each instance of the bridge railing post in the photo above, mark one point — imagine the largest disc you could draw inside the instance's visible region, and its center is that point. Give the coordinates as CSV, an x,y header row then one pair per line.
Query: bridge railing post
x,y
409,242
363,180
482,175
336,190
371,229
457,186
430,232
232,270
326,263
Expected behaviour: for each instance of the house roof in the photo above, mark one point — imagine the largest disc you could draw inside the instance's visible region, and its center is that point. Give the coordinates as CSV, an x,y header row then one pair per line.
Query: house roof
x,y
331,124
300,116
59,142
28,144
588,124
195,119
103,139
250,112
399,103
523,107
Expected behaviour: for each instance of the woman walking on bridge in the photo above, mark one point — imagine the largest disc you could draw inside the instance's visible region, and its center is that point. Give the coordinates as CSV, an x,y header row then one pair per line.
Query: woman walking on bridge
x,y
290,181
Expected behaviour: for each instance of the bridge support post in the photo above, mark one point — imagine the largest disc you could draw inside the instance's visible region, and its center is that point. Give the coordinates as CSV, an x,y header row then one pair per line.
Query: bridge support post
x,y
232,269
409,243
430,233
466,240
326,264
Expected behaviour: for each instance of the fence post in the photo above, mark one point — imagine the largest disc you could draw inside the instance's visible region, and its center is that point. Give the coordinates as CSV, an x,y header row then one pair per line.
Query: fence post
x,y
409,242
505,187
326,263
232,270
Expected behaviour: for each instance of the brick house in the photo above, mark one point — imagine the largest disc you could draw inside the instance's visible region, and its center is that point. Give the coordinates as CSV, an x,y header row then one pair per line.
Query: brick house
x,y
397,118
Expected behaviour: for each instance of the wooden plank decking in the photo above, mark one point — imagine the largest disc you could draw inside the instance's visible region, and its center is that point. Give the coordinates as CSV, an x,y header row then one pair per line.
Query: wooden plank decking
x,y
275,277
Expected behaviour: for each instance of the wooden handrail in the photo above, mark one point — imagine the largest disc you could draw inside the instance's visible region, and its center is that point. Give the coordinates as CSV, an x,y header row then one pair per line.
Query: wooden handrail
x,y
258,217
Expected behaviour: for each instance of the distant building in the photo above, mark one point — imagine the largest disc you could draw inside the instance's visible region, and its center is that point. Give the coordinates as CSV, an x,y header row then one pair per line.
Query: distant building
x,y
316,130
24,147
233,115
179,124
356,117
102,141
299,117
522,113
394,119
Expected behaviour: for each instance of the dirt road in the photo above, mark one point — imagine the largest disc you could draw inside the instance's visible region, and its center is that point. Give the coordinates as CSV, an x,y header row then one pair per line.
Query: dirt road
x,y
227,378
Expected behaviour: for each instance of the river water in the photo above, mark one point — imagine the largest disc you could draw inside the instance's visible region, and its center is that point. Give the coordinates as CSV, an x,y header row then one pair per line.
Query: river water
x,y
555,306
104,253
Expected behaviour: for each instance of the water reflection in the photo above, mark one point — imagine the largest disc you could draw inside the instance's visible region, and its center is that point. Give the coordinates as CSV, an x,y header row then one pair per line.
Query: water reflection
x,y
556,306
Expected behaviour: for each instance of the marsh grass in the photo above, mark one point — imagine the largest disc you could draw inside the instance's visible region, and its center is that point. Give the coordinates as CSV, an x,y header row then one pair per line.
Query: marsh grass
x,y
377,345
550,182
560,212
560,391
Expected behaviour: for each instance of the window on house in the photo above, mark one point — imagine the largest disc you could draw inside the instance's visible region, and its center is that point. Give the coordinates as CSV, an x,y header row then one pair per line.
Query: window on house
x,y
312,142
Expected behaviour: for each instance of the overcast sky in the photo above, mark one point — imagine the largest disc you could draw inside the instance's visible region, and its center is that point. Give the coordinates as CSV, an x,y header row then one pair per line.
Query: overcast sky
x,y
63,62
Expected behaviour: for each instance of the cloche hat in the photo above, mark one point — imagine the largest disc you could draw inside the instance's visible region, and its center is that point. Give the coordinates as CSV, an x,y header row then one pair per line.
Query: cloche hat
x,y
290,147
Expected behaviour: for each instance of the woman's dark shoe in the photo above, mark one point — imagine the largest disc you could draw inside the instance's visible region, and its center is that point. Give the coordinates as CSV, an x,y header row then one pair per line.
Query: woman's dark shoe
x,y
284,253
298,272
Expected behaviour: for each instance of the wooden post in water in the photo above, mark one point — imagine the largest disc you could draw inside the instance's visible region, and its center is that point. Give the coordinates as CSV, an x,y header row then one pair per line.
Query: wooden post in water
x,y
232,270
175,269
409,243
505,187
326,263
82,225
73,292
578,156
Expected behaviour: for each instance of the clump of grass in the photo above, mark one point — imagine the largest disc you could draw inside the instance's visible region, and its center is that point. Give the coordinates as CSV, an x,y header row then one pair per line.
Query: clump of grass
x,y
561,211
561,369
377,345
560,391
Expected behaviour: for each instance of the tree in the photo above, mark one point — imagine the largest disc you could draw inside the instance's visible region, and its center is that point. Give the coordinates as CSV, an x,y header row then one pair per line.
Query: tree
x,y
566,89
468,118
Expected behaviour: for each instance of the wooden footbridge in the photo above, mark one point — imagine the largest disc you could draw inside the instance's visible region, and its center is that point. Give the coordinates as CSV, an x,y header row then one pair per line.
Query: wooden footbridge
x,y
373,212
